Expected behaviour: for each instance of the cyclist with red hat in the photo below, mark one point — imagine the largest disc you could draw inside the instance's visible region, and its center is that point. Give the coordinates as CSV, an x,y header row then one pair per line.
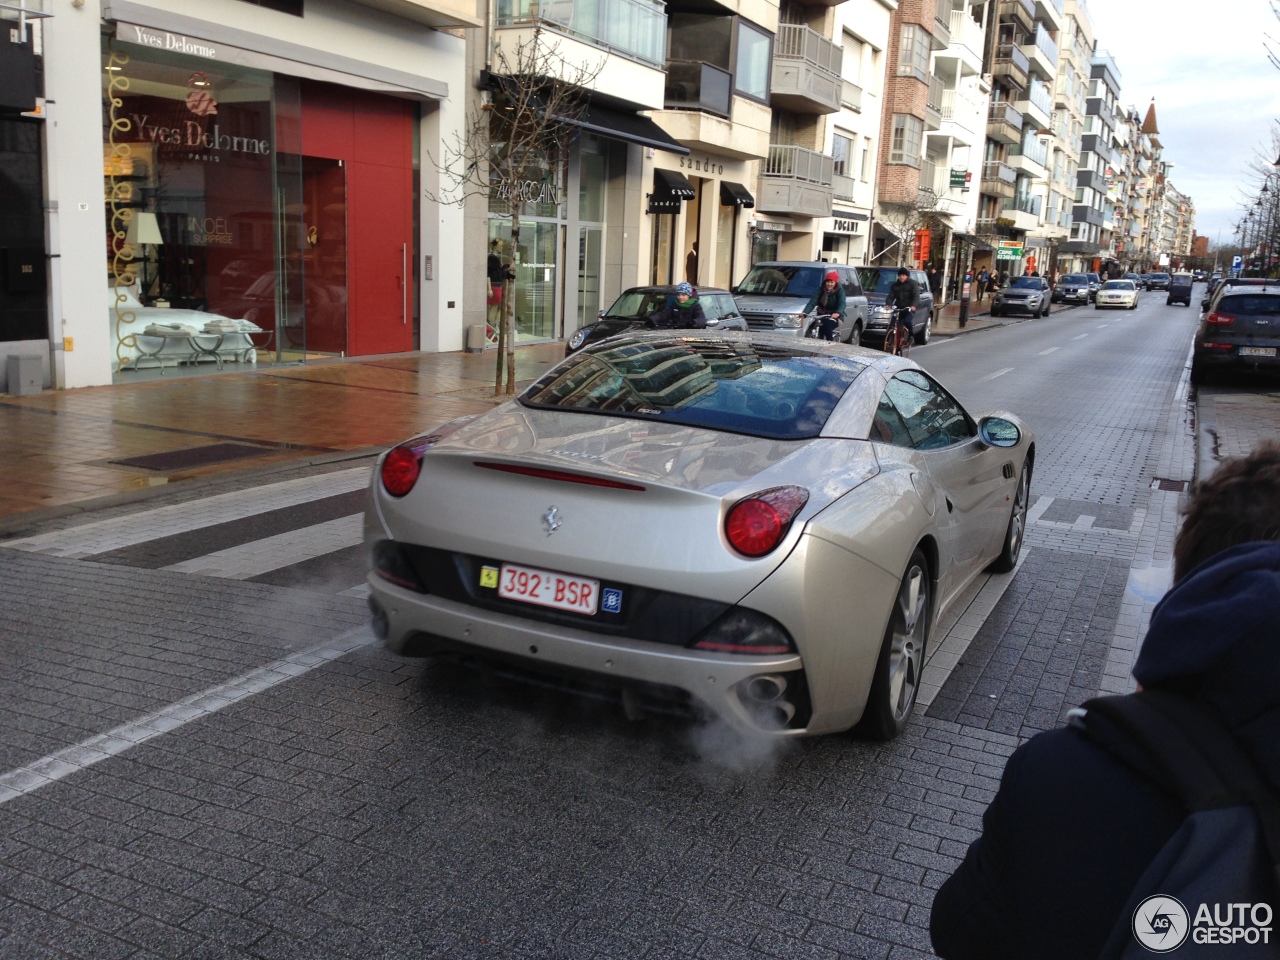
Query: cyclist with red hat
x,y
829,303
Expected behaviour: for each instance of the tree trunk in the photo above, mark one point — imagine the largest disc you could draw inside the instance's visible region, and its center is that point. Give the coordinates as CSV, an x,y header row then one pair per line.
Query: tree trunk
x,y
509,306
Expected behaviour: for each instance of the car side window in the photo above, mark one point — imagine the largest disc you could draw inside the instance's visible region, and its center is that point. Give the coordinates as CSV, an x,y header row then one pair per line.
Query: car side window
x,y
932,417
887,425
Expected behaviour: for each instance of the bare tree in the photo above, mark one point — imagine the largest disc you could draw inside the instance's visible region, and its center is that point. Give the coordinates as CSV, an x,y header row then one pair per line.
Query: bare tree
x,y
904,219
514,146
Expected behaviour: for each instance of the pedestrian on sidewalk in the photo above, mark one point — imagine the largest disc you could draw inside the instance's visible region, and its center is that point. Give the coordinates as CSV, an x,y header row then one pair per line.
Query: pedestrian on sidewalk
x,y
984,279
1073,828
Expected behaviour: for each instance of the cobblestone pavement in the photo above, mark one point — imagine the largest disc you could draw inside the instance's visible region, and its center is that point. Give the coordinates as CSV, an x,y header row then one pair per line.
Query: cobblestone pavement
x,y
203,753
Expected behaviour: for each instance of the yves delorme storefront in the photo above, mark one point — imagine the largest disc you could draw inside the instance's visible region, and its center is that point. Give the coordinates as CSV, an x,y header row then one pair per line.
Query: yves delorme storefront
x,y
244,193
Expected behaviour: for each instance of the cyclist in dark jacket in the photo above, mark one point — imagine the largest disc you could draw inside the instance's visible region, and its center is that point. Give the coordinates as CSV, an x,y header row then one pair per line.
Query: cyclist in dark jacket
x,y
684,313
829,301
904,292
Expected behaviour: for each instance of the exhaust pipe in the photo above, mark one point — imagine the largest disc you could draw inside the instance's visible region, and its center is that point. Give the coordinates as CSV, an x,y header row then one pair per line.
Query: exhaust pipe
x,y
379,620
766,688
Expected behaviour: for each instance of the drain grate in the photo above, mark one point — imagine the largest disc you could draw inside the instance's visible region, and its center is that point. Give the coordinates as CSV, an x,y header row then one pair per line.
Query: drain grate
x,y
1170,486
193,457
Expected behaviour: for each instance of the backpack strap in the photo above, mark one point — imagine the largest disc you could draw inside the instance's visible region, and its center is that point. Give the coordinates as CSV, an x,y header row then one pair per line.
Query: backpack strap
x,y
1184,749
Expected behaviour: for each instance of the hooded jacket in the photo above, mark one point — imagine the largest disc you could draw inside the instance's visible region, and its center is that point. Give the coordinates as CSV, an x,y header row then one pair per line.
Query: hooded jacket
x,y
1071,829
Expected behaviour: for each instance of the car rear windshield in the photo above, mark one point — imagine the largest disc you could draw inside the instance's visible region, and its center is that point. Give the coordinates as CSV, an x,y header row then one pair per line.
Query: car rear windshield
x,y
782,281
775,392
876,279
1249,305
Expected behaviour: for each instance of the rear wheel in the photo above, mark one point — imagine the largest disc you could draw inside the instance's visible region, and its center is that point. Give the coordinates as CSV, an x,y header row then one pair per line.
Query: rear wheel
x,y
1013,535
923,334
897,676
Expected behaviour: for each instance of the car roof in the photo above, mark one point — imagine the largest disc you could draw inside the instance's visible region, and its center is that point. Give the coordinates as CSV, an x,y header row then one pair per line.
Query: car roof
x,y
671,288
800,263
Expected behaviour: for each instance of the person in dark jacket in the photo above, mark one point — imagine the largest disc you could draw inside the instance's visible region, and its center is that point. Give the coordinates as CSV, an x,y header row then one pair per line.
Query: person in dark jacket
x,y
683,313
829,302
904,292
1072,829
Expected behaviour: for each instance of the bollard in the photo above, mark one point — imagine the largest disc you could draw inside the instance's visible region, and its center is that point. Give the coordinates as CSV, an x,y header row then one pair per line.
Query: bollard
x,y
965,292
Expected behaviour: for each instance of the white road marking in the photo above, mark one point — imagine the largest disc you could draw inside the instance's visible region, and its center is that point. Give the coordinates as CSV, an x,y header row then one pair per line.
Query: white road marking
x,y
81,756
91,539
998,373
1081,337
271,553
1045,353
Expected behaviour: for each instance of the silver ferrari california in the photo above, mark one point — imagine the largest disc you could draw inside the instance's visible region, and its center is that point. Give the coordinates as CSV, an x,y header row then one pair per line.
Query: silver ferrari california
x,y
746,526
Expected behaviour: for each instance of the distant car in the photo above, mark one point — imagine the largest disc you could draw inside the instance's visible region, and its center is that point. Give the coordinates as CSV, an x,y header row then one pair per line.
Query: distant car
x,y
1179,289
1023,295
1072,288
636,305
1157,281
1240,331
1095,283
876,282
760,528
1137,280
773,295
1117,293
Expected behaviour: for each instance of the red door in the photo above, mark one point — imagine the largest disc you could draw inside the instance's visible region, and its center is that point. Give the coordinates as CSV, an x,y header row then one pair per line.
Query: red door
x,y
372,135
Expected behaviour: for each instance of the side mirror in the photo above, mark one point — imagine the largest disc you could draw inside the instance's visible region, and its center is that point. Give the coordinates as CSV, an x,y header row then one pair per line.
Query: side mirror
x,y
999,432
600,315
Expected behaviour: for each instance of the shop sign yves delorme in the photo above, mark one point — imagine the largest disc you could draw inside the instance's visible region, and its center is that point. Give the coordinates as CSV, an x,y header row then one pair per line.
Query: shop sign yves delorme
x,y
163,40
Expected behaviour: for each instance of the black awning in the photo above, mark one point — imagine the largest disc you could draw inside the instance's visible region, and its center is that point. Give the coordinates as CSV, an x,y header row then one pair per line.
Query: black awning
x,y
674,183
735,195
631,127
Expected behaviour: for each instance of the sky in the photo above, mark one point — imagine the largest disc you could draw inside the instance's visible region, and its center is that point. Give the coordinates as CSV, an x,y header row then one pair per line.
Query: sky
x,y
1217,95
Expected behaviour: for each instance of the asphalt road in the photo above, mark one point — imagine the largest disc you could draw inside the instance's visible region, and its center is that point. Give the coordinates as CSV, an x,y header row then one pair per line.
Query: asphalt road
x,y
203,753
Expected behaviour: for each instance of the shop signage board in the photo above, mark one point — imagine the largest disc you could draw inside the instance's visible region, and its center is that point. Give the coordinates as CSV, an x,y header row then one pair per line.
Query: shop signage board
x,y
960,178
164,40
1009,250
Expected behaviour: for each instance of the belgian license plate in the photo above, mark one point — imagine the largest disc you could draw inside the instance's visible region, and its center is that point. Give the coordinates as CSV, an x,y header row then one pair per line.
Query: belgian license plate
x,y
1257,351
549,589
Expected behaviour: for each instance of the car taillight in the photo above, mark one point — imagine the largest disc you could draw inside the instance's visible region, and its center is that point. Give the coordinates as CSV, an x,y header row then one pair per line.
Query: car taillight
x,y
756,525
1219,319
400,469
1215,346
745,631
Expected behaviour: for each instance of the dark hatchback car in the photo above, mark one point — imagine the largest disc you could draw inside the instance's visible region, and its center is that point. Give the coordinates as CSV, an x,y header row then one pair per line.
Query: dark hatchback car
x,y
1023,295
1072,288
1179,289
630,311
1157,281
1240,331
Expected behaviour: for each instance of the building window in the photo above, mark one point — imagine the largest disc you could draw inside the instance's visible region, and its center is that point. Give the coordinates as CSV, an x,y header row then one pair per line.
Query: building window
x,y
913,52
905,146
842,154
751,67
867,153
852,62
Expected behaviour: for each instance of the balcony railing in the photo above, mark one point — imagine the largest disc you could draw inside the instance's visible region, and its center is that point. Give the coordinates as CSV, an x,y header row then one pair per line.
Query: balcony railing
x,y
1046,43
692,85
998,170
937,93
633,28
1011,62
844,187
1029,205
798,163
928,175
1033,149
798,42
1040,96
1002,111
851,96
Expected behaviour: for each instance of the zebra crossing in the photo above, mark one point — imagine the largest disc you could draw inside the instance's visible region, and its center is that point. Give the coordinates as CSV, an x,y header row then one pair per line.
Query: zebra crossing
x,y
304,532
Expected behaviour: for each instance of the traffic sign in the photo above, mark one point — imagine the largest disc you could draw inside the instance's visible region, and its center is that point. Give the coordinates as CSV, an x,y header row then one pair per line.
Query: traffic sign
x,y
1236,262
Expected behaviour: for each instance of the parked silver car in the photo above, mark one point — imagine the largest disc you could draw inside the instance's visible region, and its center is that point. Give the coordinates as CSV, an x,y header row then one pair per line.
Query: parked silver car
x,y
1022,295
773,295
758,528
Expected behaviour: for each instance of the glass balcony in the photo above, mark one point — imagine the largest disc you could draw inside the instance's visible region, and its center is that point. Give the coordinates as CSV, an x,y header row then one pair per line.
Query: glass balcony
x,y
1004,122
1012,63
632,28
698,86
851,96
999,170
1046,44
844,187
1029,205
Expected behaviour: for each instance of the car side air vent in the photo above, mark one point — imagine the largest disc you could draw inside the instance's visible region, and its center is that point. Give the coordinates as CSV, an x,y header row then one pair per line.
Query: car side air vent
x,y
1007,470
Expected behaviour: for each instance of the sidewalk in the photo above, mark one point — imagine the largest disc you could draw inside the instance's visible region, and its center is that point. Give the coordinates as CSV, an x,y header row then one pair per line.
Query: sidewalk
x,y
63,448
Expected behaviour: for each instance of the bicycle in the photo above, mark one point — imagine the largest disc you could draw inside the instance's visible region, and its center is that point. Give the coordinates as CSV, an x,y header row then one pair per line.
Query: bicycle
x,y
897,339
814,330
